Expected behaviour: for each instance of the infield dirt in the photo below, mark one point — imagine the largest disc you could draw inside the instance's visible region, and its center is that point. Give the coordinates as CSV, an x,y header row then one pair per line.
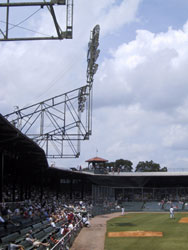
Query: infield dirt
x,y
184,220
135,234
94,236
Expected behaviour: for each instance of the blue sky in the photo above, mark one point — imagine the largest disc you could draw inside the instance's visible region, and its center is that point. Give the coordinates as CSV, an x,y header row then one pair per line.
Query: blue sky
x,y
153,15
140,89
158,15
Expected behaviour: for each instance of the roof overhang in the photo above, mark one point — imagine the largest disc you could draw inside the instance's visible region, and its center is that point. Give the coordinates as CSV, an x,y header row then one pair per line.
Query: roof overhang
x,y
12,141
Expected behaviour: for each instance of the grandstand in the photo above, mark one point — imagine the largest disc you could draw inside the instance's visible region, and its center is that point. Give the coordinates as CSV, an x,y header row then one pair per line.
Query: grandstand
x,y
26,176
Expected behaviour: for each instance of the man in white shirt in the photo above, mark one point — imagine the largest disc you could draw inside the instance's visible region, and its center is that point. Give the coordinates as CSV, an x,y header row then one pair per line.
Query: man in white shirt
x,y
171,212
70,226
86,221
122,211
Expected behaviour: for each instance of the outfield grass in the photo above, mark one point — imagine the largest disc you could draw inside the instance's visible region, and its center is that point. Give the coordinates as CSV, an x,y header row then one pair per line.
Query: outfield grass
x,y
175,235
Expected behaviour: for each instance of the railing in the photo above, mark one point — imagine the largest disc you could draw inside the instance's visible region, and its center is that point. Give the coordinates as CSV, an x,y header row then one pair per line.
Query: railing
x,y
69,238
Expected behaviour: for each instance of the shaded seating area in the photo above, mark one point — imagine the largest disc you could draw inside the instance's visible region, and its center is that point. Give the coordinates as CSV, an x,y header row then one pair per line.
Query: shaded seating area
x,y
30,195
42,231
23,224
22,231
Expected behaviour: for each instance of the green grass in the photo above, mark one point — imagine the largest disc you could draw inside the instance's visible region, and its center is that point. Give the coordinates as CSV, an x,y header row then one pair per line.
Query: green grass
x,y
175,235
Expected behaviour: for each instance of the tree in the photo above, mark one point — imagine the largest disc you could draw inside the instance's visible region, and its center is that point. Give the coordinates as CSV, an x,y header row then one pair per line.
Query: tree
x,y
111,164
124,165
149,166
164,169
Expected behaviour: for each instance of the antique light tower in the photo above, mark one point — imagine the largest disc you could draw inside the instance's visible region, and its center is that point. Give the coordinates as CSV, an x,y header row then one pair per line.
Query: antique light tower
x,y
60,123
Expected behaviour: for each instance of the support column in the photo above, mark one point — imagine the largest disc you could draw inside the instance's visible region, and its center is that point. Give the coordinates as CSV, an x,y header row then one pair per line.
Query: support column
x,y
82,192
26,191
29,191
13,191
21,191
2,177
41,184
41,192
58,188
70,195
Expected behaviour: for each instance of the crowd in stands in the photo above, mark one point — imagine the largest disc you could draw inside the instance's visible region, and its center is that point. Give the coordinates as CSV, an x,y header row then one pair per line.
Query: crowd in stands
x,y
40,223
153,194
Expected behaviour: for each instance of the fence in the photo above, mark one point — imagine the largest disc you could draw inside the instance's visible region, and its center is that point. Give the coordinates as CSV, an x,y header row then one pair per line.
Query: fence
x,y
68,239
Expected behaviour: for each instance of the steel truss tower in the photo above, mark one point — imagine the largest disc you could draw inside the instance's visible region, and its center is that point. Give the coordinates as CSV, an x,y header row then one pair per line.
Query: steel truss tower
x,y
60,123
6,25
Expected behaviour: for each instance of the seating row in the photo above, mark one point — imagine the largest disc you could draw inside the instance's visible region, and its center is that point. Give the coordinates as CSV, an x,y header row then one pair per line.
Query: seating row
x,y
40,231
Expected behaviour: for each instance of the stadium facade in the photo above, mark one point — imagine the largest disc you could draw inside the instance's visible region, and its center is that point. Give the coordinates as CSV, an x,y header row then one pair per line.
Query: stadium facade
x,y
23,165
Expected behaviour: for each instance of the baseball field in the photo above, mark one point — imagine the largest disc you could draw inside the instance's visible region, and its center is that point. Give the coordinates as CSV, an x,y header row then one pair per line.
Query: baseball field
x,y
147,231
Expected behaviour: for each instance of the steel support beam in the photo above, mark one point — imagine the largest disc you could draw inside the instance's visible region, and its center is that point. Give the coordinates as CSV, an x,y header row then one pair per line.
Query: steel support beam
x,y
60,123
66,34
40,3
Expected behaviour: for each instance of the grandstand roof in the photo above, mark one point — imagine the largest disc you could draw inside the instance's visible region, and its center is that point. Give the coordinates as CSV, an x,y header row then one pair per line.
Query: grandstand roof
x,y
133,179
97,159
12,141
130,174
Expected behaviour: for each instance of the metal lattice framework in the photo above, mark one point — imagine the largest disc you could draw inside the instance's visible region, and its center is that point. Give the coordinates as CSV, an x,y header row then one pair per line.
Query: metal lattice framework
x,y
59,124
6,25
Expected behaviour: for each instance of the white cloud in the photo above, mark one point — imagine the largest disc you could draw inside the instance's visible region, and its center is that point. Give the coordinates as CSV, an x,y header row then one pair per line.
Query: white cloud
x,y
152,69
38,70
33,71
118,15
149,73
176,136
140,89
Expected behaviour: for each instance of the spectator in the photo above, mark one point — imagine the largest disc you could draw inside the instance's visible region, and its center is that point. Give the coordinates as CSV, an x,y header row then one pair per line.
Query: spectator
x,y
2,221
70,226
86,221
14,246
62,229
35,242
65,231
53,239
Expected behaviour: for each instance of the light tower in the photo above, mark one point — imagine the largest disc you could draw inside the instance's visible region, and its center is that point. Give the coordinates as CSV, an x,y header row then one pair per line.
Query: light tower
x,y
60,123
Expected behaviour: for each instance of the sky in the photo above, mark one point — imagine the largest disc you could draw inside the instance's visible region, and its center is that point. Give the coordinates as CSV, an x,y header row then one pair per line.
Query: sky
x,y
141,86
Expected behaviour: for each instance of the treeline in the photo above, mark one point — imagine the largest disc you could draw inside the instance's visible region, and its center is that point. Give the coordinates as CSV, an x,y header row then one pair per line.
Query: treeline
x,y
142,166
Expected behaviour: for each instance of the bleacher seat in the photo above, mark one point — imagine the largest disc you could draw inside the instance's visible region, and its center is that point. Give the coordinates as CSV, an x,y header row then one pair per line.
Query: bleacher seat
x,y
25,230
23,233
37,226
41,235
10,237
2,229
45,222
49,229
59,223
152,206
26,221
26,244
